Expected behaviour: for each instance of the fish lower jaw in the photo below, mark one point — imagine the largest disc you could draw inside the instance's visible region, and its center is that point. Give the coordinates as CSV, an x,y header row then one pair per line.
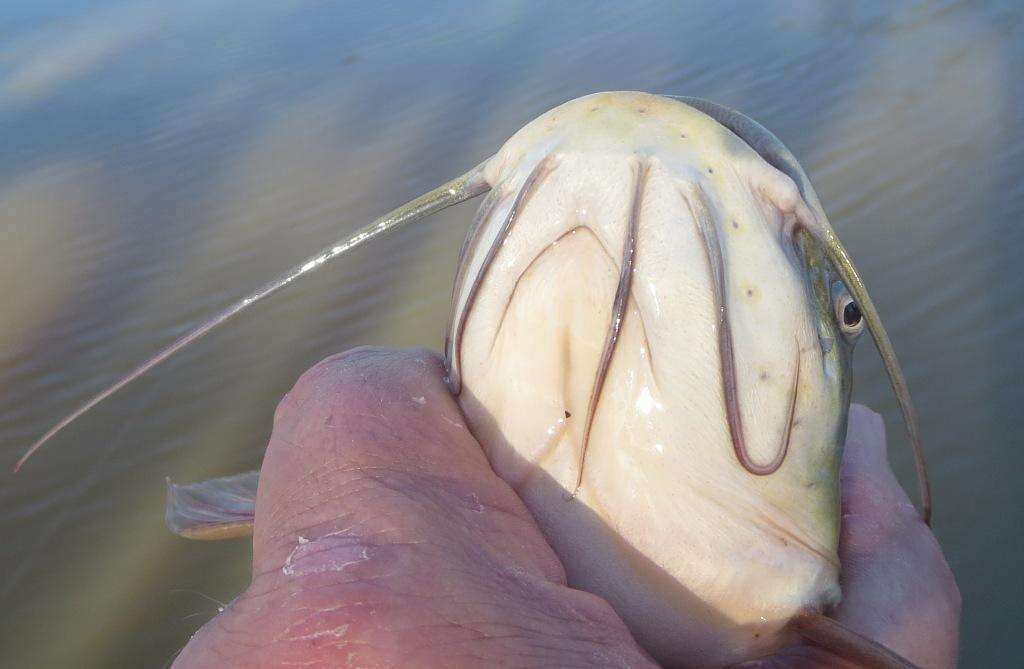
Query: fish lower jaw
x,y
731,614
702,589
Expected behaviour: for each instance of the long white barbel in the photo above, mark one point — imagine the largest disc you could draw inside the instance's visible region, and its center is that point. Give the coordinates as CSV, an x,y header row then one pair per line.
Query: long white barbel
x,y
459,189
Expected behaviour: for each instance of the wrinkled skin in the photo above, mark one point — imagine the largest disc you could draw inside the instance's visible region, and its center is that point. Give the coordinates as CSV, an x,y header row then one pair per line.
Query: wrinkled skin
x,y
433,561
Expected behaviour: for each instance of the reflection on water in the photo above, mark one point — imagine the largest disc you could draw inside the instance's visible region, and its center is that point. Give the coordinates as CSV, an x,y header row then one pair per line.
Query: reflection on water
x,y
158,160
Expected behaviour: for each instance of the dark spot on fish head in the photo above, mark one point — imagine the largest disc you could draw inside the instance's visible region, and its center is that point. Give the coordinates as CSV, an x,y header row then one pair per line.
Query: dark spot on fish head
x,y
763,375
641,110
735,225
711,170
683,135
568,415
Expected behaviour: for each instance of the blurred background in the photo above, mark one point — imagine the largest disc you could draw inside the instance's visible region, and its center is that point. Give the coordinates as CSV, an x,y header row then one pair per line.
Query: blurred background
x,y
159,160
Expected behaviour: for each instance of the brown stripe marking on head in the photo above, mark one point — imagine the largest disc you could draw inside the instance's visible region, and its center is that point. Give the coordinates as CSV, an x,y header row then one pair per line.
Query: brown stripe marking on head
x,y
697,202
618,315
469,247
542,170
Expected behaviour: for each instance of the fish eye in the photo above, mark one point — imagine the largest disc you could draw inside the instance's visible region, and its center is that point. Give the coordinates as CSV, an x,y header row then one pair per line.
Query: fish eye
x,y
849,316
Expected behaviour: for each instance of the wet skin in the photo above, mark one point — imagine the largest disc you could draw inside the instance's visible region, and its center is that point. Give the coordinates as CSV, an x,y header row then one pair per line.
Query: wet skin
x,y
383,538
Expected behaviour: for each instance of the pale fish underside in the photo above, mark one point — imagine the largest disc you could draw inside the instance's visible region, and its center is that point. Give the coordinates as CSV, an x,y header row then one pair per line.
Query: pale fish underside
x,y
629,243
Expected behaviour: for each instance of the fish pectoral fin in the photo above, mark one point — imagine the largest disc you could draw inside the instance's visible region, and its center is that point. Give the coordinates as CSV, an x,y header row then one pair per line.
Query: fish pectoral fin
x,y
221,508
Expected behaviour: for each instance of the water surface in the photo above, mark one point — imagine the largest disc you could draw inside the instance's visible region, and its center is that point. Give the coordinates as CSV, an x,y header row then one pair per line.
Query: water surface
x,y
158,160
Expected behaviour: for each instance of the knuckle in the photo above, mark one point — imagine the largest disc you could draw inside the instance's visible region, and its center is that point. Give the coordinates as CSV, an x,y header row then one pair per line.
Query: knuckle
x,y
366,374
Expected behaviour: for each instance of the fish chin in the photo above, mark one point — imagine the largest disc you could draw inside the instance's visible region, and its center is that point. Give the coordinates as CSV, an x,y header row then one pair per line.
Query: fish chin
x,y
705,560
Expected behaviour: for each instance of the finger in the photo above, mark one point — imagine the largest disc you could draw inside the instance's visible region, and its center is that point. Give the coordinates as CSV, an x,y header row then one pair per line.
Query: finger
x,y
897,587
383,538
371,427
871,494
866,444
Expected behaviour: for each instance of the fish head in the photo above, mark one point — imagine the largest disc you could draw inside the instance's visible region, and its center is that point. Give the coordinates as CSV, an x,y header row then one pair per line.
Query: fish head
x,y
650,344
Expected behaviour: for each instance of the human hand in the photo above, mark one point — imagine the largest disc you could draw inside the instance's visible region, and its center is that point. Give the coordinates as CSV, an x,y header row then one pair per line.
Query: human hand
x,y
383,538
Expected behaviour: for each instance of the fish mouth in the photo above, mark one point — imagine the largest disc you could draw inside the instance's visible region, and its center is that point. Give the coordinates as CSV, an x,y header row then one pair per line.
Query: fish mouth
x,y
726,350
